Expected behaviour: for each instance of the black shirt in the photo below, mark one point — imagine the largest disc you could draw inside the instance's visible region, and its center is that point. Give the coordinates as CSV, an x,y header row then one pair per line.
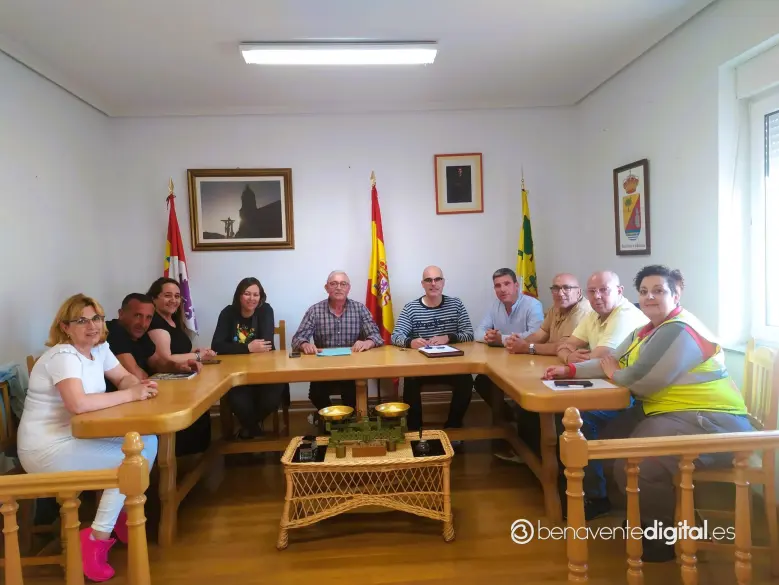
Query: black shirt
x,y
179,340
120,341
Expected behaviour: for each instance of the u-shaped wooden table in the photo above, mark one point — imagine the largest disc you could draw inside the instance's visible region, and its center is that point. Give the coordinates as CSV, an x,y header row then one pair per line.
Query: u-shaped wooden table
x,y
180,403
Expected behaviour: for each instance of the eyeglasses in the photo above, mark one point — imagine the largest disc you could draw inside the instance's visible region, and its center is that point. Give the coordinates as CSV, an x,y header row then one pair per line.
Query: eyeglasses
x,y
603,291
335,284
436,280
97,319
564,288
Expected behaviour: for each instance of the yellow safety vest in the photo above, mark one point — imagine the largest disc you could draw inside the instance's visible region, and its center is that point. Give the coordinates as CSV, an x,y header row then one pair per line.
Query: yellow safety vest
x,y
707,386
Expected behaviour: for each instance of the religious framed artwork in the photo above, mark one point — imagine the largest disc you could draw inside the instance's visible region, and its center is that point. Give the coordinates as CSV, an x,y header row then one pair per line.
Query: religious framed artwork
x,y
631,209
241,209
458,183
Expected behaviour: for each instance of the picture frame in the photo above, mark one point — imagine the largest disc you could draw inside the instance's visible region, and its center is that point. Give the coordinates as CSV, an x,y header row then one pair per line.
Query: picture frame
x,y
241,209
459,183
632,233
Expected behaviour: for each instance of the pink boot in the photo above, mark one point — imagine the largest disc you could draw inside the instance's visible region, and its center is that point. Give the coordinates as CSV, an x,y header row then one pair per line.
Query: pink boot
x,y
121,527
94,556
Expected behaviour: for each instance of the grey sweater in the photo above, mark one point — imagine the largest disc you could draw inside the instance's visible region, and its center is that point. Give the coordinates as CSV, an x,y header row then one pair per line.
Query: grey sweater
x,y
672,350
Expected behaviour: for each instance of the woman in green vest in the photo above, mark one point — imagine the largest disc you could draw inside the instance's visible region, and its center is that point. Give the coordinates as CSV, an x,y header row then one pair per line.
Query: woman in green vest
x,y
675,370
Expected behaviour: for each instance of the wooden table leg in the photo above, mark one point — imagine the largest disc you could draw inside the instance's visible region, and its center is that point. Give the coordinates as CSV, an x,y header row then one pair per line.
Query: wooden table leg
x,y
497,400
550,468
362,397
169,503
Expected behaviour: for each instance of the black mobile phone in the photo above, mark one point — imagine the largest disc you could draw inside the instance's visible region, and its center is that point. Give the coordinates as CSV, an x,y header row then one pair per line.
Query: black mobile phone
x,y
209,362
294,354
566,383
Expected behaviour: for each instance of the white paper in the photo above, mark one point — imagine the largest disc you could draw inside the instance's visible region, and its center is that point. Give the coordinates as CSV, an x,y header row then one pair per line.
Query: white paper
x,y
596,384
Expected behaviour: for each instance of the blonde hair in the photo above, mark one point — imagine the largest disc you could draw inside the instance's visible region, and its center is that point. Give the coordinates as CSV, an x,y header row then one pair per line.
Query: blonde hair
x,y
71,310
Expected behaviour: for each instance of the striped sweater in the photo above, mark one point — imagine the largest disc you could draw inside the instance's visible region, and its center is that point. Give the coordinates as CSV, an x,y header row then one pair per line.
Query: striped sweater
x,y
416,320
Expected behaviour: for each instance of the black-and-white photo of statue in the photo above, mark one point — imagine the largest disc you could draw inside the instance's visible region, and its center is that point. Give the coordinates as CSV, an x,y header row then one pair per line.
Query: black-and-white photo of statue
x,y
233,209
241,209
458,184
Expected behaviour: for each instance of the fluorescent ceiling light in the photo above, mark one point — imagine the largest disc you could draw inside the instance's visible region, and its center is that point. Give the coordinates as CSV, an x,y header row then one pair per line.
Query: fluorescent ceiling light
x,y
417,53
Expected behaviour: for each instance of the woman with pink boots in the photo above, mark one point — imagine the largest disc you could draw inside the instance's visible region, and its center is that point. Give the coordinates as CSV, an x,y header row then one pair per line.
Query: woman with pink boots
x,y
68,379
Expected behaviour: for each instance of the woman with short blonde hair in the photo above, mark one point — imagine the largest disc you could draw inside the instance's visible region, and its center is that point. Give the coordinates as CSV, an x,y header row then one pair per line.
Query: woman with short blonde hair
x,y
69,379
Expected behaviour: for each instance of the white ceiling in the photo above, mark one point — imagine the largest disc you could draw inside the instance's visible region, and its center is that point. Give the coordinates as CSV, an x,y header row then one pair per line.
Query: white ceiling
x,y
178,57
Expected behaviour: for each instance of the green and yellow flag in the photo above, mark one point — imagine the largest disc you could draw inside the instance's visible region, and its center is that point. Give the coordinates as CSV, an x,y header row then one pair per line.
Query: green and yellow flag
x,y
526,261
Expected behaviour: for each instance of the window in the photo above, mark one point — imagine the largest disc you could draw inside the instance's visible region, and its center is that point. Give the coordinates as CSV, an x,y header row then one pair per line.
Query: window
x,y
764,243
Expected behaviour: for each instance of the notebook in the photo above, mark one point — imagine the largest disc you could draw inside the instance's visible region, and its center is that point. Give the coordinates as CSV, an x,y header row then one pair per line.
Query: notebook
x,y
434,351
180,376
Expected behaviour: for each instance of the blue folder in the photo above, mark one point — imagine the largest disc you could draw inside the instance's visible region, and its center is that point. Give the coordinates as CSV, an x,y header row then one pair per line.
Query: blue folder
x,y
330,351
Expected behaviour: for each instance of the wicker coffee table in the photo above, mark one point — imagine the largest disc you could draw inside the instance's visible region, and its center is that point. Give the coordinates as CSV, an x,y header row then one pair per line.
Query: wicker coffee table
x,y
397,480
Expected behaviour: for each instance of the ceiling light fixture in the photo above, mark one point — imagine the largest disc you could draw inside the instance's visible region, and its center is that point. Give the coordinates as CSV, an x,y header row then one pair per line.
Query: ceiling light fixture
x,y
339,53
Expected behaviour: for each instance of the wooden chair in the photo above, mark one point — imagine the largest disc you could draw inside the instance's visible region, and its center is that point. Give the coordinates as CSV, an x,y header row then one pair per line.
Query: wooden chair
x,y
226,416
761,394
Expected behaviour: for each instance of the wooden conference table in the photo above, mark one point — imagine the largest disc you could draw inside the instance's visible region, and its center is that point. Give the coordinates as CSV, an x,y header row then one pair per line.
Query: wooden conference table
x,y
180,403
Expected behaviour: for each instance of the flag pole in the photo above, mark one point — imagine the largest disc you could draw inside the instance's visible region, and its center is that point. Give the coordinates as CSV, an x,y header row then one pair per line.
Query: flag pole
x,y
373,179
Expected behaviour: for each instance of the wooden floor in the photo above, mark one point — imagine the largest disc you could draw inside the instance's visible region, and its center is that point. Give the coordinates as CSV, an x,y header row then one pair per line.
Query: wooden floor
x,y
229,524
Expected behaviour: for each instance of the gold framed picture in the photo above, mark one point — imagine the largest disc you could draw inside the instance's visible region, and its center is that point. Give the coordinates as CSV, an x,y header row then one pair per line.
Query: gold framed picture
x,y
459,184
241,209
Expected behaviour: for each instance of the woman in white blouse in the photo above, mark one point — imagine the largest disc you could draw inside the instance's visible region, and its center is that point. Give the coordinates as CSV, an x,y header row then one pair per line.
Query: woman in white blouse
x,y
68,379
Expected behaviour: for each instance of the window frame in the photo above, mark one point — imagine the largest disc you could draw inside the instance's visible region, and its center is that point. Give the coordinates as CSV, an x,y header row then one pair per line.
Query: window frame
x,y
758,110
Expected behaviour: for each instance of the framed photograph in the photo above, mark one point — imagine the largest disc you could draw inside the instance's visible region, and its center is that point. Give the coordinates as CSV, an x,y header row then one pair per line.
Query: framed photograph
x,y
458,183
631,209
241,209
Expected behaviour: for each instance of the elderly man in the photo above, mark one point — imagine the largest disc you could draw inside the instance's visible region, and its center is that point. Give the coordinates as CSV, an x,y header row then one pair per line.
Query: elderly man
x,y
569,308
337,321
613,319
434,319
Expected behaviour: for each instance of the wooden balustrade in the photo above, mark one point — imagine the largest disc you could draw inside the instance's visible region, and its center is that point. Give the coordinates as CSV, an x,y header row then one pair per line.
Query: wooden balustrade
x,y
576,451
132,479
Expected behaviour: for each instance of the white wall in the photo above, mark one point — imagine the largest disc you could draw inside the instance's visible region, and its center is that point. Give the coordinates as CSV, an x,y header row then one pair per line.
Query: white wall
x,y
51,183
331,159
665,107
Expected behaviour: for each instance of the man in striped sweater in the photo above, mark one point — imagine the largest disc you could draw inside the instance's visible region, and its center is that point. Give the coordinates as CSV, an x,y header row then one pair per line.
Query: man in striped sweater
x,y
434,319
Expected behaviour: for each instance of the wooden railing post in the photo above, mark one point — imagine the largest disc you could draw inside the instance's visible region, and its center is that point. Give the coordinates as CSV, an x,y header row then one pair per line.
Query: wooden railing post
x,y
13,560
573,453
688,546
743,525
133,482
71,543
633,534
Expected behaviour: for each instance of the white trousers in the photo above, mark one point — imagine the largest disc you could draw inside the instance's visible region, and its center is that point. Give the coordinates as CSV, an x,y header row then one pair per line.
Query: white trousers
x,y
87,455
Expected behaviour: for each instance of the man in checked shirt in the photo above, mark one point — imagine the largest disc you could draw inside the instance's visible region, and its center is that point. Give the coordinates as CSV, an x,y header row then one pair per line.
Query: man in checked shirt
x,y
338,321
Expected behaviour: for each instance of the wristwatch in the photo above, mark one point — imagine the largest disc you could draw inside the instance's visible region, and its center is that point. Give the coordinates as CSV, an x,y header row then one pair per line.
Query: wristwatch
x,y
197,356
532,350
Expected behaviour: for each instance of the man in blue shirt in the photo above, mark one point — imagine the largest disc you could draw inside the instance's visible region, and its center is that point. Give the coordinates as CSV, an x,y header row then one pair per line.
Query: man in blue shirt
x,y
511,313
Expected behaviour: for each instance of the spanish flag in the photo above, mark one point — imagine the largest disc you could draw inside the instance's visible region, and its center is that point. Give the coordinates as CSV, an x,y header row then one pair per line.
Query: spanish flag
x,y
378,298
176,263
526,260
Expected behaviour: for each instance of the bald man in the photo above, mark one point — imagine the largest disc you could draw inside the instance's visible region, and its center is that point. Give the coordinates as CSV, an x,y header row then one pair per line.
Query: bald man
x,y
613,318
337,321
434,319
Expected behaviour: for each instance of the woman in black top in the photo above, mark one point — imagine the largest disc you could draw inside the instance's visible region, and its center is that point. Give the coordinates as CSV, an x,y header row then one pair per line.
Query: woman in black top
x,y
172,341
246,326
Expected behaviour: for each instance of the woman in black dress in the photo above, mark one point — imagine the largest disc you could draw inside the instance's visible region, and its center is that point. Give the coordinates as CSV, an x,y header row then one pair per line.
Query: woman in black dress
x,y
246,326
172,341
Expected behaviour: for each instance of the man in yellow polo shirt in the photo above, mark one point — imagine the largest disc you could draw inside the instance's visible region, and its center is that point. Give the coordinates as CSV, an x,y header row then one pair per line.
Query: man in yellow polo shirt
x,y
613,319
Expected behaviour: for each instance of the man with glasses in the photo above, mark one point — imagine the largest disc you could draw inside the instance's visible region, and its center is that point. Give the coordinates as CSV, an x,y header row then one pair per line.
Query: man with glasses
x,y
568,309
613,319
337,321
434,319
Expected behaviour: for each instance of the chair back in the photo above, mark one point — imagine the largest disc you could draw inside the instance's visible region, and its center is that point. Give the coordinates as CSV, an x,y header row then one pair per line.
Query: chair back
x,y
31,363
281,331
761,385
7,424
